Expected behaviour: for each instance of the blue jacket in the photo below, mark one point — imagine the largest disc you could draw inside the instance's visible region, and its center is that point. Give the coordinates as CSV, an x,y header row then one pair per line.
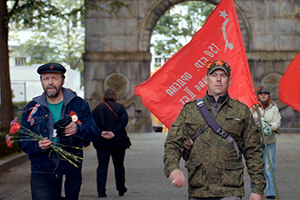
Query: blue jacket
x,y
40,122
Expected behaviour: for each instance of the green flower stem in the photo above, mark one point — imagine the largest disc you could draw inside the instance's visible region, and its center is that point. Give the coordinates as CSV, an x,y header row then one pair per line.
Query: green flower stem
x,y
62,154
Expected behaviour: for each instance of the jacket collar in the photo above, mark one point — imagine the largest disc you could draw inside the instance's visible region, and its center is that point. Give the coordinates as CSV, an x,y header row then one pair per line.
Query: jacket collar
x,y
68,96
222,100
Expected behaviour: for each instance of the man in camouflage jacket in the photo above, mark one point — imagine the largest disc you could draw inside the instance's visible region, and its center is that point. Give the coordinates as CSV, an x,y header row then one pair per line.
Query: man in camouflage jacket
x,y
214,172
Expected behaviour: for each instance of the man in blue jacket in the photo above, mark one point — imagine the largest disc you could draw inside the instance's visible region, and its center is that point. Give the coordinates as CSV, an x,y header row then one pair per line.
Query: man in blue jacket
x,y
52,176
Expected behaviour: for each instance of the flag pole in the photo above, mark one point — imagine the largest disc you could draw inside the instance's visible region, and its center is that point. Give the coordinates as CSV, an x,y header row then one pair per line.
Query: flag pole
x,y
267,151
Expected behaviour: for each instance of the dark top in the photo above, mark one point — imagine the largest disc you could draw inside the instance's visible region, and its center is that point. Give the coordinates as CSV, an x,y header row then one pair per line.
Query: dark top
x,y
106,120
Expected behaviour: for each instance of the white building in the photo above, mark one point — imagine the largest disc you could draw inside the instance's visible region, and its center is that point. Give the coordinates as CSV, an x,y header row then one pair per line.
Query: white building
x,y
25,82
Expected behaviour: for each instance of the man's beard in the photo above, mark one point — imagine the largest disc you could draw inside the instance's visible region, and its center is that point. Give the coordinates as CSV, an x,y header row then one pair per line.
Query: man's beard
x,y
53,93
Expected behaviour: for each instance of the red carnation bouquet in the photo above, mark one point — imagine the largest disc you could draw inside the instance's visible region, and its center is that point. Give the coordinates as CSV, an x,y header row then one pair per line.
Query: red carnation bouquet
x,y
15,127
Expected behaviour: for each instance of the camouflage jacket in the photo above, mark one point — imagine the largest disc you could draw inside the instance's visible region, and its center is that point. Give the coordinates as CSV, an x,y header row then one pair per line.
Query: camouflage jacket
x,y
213,167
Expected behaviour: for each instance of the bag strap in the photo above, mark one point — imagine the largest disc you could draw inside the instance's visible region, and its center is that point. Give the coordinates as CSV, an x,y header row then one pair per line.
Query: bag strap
x,y
112,110
199,132
215,126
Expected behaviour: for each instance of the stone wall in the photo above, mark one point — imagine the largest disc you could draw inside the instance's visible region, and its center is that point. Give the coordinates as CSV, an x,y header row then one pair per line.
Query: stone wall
x,y
118,51
274,42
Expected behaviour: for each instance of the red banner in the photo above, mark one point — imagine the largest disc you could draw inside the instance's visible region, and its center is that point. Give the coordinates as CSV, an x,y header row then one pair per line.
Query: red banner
x,y
289,88
180,79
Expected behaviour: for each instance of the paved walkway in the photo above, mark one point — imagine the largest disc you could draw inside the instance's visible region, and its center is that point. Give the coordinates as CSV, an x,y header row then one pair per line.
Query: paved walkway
x,y
144,173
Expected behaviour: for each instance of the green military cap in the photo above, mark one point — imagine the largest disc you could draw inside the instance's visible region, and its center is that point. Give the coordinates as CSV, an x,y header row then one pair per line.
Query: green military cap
x,y
217,64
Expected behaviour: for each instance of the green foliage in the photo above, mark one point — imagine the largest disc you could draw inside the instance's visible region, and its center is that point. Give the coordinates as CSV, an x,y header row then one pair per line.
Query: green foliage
x,y
177,26
39,50
58,27
18,107
28,13
56,38
4,149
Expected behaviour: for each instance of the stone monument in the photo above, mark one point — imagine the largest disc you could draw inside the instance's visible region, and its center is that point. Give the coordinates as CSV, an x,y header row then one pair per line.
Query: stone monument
x,y
117,52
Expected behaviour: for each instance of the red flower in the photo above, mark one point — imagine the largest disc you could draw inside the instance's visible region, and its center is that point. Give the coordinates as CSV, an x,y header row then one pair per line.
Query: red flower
x,y
14,127
209,64
74,117
259,104
259,88
8,142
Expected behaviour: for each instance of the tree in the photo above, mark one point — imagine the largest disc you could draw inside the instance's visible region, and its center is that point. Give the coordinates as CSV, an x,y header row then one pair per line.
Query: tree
x,y
29,13
178,25
39,50
6,96
58,38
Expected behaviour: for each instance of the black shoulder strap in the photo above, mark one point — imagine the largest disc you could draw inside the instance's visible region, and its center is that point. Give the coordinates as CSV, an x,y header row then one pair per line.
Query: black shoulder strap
x,y
112,110
215,126
199,132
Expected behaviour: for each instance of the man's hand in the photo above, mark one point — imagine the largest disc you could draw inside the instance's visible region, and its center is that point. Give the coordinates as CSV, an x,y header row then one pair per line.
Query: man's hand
x,y
177,178
70,129
255,196
107,134
44,144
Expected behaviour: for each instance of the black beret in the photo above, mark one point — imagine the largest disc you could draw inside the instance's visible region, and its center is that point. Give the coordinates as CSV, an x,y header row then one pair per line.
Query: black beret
x,y
51,67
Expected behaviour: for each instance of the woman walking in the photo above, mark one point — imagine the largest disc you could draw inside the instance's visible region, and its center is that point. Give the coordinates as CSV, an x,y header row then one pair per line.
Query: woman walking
x,y
271,120
111,117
